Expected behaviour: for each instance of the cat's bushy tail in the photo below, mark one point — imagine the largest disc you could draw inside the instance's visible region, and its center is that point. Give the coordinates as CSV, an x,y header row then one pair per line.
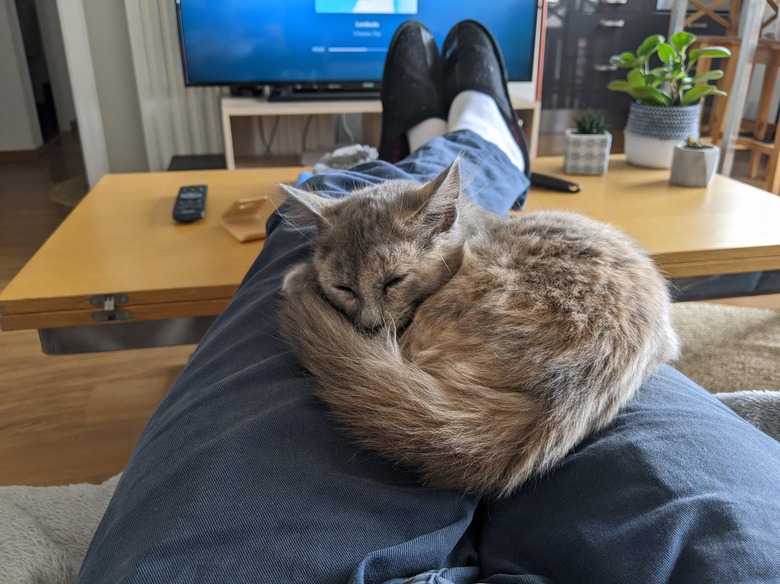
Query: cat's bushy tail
x,y
468,437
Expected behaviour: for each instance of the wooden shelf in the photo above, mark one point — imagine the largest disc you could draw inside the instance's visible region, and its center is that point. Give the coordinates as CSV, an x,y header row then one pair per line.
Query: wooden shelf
x,y
260,106
529,112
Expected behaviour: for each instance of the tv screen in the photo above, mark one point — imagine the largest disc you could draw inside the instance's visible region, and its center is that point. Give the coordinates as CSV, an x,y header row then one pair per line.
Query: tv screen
x,y
287,42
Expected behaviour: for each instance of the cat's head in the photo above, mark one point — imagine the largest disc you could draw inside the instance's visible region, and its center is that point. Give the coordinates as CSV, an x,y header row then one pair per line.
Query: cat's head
x,y
381,251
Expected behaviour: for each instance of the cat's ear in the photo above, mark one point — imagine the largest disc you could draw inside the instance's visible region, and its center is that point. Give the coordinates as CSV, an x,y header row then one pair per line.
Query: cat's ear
x,y
439,209
306,208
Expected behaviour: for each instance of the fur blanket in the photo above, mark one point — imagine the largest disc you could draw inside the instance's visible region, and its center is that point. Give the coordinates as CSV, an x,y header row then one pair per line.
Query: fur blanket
x,y
45,531
760,408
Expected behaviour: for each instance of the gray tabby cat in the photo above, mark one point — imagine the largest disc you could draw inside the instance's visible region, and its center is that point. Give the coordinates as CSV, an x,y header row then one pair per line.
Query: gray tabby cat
x,y
478,349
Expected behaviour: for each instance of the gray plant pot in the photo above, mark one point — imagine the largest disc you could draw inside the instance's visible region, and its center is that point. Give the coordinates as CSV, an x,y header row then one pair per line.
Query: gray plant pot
x,y
586,153
652,132
694,167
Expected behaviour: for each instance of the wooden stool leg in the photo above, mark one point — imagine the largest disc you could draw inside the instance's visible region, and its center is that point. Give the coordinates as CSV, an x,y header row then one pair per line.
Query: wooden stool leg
x,y
703,66
755,164
762,119
772,174
735,6
720,104
765,102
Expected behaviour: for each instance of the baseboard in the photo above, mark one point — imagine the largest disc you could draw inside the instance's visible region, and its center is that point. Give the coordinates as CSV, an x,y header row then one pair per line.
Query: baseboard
x,y
17,156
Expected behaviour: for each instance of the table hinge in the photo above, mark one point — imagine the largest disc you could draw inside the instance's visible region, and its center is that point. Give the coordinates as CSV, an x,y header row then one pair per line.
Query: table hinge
x,y
109,303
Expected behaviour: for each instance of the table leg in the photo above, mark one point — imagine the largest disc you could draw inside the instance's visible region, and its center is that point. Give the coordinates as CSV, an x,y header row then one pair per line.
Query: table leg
x,y
227,137
531,121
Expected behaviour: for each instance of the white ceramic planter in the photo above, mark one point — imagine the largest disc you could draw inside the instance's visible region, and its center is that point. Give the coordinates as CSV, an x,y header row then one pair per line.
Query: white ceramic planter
x,y
653,131
694,167
586,153
649,152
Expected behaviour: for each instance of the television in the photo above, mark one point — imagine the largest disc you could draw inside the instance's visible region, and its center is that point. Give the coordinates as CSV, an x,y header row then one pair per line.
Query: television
x,y
316,47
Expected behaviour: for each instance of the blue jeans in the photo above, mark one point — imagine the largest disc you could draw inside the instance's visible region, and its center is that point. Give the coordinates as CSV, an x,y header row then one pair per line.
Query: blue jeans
x,y
240,476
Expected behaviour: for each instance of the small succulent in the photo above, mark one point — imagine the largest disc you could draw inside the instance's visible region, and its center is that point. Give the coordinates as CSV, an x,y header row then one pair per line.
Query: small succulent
x,y
695,143
593,122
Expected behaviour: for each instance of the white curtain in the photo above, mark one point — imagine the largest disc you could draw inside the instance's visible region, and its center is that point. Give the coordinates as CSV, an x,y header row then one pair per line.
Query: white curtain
x,y
177,120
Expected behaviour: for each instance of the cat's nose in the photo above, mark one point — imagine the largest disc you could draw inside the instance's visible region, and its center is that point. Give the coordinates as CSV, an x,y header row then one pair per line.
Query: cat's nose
x,y
370,317
370,323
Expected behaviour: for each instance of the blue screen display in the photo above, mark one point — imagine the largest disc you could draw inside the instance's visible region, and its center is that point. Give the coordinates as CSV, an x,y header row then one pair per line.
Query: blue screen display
x,y
285,41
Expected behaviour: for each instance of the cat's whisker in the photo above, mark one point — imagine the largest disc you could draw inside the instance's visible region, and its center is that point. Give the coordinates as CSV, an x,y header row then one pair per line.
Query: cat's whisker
x,y
446,266
293,225
479,192
286,219
389,323
465,181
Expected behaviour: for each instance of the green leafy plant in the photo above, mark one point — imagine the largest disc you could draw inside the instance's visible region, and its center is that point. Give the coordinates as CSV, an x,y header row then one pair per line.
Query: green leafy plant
x,y
673,83
593,122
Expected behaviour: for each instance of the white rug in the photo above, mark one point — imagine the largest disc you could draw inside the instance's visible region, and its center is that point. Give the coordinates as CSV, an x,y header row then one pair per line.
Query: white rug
x,y
45,531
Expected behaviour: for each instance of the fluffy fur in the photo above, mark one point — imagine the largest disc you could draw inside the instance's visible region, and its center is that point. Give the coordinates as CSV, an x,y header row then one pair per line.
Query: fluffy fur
x,y
761,408
478,349
45,531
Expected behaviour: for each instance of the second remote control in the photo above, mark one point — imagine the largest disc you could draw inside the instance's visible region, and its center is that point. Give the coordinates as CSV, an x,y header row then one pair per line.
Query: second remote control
x,y
190,204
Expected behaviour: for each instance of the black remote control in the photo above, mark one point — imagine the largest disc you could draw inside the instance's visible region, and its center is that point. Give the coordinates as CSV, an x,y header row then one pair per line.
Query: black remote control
x,y
190,204
554,184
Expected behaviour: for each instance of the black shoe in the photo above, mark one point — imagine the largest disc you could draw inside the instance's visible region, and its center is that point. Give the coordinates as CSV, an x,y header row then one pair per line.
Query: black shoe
x,y
411,87
473,61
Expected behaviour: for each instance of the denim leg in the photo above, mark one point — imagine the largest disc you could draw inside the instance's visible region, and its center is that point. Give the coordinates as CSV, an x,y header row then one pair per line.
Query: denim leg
x,y
489,178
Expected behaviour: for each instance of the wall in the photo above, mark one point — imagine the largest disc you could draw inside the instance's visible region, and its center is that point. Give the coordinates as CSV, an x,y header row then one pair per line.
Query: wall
x,y
109,42
19,128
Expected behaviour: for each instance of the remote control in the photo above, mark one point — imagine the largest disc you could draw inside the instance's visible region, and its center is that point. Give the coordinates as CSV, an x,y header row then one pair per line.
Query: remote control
x,y
554,184
190,204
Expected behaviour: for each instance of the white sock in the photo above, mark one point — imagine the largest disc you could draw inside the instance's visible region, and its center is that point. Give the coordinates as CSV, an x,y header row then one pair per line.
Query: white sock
x,y
478,112
425,131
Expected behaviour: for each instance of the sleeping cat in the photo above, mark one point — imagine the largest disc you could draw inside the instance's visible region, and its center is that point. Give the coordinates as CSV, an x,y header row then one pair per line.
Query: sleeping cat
x,y
478,349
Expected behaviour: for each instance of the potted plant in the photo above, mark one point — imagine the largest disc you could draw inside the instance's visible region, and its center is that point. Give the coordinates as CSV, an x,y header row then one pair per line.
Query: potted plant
x,y
586,149
694,163
667,97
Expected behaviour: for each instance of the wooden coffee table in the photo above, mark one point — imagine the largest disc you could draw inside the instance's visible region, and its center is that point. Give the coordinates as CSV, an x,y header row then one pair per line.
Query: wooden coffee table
x,y
728,227
120,260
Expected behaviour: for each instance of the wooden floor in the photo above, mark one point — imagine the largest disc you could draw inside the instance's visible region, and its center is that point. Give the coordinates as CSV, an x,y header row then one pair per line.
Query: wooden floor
x,y
66,419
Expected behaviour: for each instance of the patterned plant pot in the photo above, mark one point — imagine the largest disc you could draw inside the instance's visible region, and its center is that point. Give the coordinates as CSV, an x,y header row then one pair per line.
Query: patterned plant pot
x,y
586,153
652,132
694,167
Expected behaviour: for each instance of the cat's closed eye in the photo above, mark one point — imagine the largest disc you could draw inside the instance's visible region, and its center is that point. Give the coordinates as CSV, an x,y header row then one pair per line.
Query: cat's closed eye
x,y
393,281
346,290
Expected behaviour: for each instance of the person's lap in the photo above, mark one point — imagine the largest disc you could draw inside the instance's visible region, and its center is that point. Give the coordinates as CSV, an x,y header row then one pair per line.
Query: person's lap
x,y
241,476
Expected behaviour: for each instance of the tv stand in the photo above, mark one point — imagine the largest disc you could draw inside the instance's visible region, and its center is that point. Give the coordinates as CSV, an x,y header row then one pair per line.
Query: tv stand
x,y
232,107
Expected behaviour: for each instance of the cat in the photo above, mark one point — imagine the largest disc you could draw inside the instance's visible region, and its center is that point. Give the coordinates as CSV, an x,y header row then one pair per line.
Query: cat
x,y
478,349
